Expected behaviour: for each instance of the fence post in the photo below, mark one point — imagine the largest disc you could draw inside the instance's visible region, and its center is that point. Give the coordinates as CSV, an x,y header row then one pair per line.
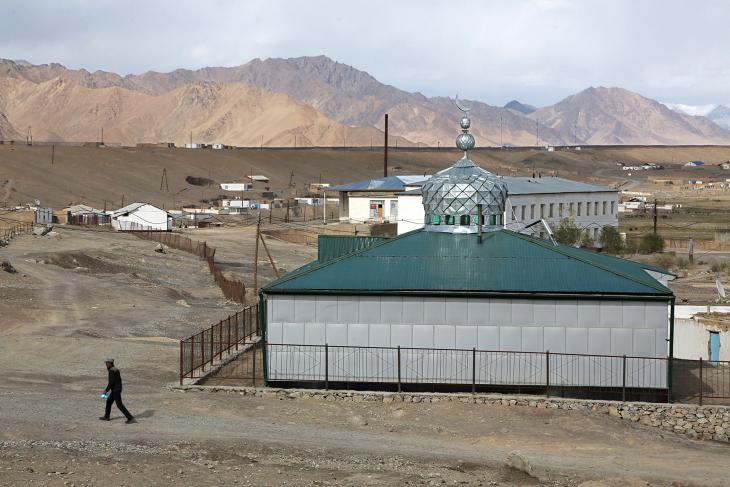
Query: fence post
x,y
254,363
181,362
202,350
192,354
547,373
326,367
238,320
212,350
623,384
398,368
473,370
701,384
229,335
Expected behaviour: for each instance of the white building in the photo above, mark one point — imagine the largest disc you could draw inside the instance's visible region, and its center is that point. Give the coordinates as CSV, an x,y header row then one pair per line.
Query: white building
x,y
398,199
464,302
236,186
141,216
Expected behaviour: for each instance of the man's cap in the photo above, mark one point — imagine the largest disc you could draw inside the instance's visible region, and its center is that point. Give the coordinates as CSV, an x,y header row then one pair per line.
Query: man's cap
x,y
108,360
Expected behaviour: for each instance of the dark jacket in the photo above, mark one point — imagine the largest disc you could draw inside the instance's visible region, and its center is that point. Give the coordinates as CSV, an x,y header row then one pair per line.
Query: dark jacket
x,y
115,380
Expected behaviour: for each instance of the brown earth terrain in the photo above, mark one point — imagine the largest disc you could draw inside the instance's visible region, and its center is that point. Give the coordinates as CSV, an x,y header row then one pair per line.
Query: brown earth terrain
x,y
72,174
81,295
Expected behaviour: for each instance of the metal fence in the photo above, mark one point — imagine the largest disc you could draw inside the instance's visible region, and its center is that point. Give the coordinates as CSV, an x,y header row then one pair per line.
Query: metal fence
x,y
701,381
420,369
231,288
217,342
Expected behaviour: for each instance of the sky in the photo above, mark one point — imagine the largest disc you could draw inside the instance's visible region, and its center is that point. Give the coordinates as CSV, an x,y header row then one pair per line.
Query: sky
x,y
536,51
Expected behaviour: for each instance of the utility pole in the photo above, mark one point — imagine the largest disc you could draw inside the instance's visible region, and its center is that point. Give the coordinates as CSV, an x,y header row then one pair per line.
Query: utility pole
x,y
102,136
501,143
256,258
287,210
271,260
385,149
191,139
53,153
655,216
29,136
537,133
324,207
262,142
575,131
163,180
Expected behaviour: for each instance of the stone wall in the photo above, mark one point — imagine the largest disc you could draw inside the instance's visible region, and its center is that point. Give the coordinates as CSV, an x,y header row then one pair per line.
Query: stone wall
x,y
701,422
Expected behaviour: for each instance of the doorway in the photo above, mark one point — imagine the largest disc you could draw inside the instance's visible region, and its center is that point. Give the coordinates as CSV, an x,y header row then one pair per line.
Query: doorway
x,y
714,346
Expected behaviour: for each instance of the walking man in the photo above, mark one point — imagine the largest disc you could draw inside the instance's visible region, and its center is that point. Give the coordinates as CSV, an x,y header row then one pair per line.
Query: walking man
x,y
114,390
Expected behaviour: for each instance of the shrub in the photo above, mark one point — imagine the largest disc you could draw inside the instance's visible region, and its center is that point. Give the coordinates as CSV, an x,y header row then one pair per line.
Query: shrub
x,y
586,240
568,232
611,240
651,243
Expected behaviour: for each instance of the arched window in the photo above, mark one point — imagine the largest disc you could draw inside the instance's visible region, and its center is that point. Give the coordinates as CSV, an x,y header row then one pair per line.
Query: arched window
x,y
436,219
464,220
450,219
492,219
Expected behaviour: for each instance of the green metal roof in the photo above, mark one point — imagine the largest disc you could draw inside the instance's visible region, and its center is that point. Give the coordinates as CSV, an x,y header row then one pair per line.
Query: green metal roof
x,y
443,263
332,246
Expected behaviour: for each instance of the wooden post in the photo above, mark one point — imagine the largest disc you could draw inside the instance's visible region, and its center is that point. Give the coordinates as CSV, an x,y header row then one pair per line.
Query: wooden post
x,y
271,260
256,258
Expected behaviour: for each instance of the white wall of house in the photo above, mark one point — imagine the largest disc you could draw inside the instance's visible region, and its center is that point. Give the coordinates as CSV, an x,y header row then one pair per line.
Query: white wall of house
x,y
597,327
692,339
236,186
590,211
359,207
521,210
147,217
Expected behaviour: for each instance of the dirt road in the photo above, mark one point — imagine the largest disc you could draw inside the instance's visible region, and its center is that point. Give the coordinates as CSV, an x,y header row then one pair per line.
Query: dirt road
x,y
57,322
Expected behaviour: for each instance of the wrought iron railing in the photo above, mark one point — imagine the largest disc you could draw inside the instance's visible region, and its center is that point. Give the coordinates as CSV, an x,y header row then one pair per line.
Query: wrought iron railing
x,y
217,342
406,368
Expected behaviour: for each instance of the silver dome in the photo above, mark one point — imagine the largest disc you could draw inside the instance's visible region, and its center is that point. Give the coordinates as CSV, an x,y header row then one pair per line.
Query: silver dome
x,y
451,197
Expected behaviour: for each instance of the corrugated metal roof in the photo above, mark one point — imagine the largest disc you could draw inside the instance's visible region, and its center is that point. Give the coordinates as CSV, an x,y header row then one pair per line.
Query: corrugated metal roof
x,y
524,185
332,246
517,185
444,263
133,207
390,183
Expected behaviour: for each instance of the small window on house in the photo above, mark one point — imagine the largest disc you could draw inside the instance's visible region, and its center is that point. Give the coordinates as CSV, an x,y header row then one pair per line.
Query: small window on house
x,y
550,211
560,210
588,208
595,233
542,210
464,220
580,207
523,213
595,208
613,207
604,207
532,212
514,213
570,211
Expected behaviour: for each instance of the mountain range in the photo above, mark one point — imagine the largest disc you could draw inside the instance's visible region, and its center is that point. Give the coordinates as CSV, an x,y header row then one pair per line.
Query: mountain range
x,y
312,101
720,114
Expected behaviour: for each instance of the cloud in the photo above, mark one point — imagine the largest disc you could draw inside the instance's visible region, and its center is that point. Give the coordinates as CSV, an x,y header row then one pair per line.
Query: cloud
x,y
538,51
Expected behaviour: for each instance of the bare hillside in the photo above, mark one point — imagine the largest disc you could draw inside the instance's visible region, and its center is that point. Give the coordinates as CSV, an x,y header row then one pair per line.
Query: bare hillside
x,y
618,116
92,175
235,113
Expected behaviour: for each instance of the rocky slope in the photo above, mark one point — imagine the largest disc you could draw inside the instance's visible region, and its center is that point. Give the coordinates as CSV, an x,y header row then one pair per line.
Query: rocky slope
x,y
231,113
617,116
